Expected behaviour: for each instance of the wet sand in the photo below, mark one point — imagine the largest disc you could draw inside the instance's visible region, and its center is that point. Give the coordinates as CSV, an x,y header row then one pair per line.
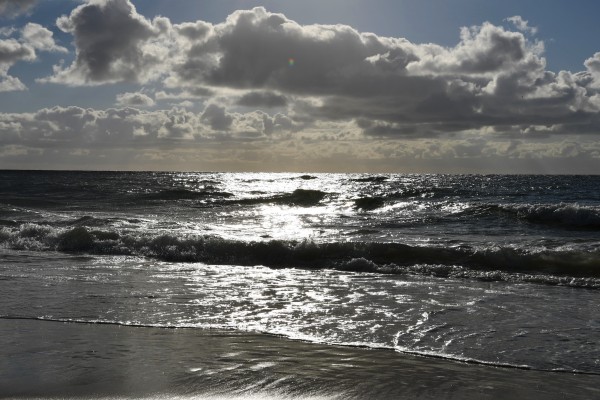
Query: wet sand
x,y
68,360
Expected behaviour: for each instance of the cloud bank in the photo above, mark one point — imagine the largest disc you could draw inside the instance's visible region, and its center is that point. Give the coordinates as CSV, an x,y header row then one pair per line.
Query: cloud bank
x,y
493,79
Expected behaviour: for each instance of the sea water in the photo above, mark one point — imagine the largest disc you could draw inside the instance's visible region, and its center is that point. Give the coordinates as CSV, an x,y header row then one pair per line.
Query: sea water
x,y
493,270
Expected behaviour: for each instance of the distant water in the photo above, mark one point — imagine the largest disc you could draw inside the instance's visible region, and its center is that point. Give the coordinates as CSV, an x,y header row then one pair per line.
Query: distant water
x,y
499,270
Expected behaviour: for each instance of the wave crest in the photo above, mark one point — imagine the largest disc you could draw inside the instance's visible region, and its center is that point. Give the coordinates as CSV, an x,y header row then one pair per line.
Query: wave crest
x,y
571,215
560,267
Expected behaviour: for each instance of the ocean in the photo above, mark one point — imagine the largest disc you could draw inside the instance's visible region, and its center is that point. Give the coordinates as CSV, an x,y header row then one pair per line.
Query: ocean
x,y
299,285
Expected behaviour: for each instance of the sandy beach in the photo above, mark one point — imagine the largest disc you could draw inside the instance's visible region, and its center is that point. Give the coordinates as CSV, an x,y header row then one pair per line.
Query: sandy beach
x,y
46,359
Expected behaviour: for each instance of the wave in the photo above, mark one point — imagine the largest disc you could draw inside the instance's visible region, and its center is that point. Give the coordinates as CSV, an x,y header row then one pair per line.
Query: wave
x,y
430,193
474,361
33,202
8,222
368,203
376,179
302,197
89,221
556,267
307,177
299,197
572,216
304,338
184,194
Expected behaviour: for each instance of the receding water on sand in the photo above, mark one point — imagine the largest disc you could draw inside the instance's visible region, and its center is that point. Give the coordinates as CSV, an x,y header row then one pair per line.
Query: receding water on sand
x,y
55,359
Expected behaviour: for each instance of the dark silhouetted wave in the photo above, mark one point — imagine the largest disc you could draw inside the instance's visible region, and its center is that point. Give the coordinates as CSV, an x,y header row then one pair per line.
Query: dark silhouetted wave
x,y
299,197
572,216
371,179
559,267
184,194
369,203
569,215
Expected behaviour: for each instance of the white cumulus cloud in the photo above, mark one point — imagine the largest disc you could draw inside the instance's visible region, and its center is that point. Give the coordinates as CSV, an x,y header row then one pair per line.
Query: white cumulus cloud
x,y
137,99
14,49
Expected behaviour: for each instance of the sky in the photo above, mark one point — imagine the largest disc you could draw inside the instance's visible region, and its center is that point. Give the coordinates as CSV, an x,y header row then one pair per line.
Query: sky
x,y
406,86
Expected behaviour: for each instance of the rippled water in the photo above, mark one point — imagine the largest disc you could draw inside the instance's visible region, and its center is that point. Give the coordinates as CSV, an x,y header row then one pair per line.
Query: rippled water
x,y
495,270
522,325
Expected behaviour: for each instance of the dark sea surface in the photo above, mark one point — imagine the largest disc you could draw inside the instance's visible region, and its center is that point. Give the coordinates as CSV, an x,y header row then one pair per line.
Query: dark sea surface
x,y
493,272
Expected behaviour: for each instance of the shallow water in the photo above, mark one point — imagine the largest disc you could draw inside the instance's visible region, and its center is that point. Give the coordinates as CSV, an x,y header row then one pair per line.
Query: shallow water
x,y
495,323
497,271
64,360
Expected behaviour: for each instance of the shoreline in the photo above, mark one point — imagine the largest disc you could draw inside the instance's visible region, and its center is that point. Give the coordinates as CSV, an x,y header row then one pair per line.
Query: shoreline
x,y
225,332
52,359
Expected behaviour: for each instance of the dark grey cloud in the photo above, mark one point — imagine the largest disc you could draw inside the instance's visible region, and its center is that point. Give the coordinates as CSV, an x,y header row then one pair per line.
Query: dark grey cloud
x,y
252,49
262,99
216,116
13,8
194,31
113,43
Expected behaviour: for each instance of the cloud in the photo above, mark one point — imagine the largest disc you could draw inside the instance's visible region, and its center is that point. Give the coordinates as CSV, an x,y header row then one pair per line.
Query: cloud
x,y
12,50
262,99
492,78
13,8
216,116
113,44
127,137
41,38
493,81
252,50
134,99
67,127
522,24
593,69
191,93
483,51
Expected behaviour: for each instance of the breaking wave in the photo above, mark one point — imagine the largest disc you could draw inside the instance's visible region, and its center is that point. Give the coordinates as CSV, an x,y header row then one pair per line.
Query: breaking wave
x,y
557,267
572,216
